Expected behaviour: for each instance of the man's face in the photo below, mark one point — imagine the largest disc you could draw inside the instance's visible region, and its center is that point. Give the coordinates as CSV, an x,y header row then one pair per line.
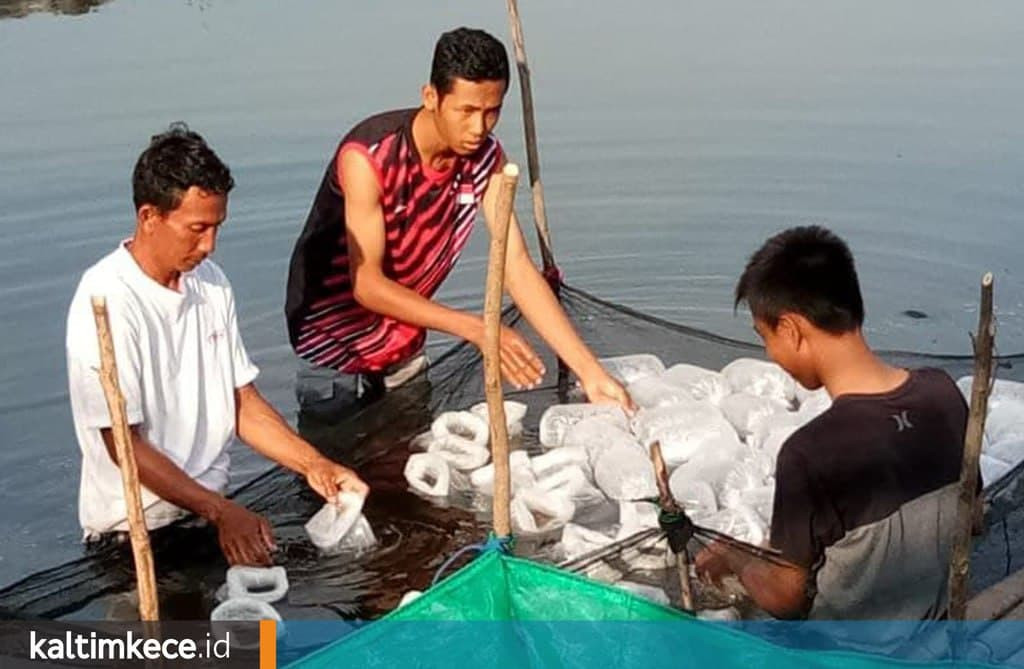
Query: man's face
x,y
786,345
184,237
467,114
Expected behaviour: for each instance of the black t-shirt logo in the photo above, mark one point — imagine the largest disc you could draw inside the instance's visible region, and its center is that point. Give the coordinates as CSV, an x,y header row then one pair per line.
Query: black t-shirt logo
x,y
902,421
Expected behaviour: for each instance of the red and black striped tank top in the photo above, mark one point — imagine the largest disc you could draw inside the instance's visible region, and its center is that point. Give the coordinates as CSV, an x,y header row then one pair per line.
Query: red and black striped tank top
x,y
427,220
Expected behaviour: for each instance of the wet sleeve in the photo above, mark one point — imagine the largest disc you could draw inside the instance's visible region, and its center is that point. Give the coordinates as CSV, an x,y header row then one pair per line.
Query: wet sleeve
x,y
83,356
795,510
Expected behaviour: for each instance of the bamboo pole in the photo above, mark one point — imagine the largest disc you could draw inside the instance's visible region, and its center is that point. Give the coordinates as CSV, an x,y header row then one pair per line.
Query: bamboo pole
x,y
668,503
959,563
141,551
540,217
502,519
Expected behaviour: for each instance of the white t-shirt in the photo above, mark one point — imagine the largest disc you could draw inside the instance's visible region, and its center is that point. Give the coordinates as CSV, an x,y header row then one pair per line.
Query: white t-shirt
x,y
180,358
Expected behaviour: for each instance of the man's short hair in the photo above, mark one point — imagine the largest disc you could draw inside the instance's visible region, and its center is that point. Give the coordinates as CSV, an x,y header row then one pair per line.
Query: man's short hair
x,y
804,270
467,53
173,162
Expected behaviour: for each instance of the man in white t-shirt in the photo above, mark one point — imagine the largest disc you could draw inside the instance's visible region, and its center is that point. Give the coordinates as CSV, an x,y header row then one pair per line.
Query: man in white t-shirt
x,y
184,372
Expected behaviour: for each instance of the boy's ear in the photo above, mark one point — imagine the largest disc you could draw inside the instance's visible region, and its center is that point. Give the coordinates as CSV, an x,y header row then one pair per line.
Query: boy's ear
x,y
803,327
429,97
790,328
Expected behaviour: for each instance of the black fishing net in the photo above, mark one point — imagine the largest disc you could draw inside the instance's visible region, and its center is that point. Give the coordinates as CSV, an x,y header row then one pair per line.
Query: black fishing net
x,y
416,535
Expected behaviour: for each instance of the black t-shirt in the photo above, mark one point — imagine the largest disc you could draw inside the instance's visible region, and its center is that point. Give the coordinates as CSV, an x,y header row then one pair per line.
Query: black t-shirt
x,y
866,499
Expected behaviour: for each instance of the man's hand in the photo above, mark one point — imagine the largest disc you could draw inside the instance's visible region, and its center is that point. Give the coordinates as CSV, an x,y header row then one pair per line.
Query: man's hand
x,y
601,388
520,365
712,564
328,478
244,536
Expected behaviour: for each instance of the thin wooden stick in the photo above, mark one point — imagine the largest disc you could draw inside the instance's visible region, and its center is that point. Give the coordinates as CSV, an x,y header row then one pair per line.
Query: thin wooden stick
x,y
143,554
502,518
668,503
959,562
540,217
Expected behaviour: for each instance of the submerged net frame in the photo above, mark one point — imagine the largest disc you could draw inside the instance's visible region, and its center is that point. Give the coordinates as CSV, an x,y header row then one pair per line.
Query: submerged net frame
x,y
416,535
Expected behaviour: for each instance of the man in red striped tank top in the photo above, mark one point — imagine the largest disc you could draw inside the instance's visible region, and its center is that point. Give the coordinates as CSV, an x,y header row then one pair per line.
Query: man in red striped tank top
x,y
393,212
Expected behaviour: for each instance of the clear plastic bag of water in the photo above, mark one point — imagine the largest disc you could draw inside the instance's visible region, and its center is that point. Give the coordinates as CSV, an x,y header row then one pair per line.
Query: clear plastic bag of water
x,y
761,378
702,384
428,474
625,473
558,418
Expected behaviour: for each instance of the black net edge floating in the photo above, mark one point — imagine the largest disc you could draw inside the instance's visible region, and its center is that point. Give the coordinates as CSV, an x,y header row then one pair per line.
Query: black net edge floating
x,y
417,535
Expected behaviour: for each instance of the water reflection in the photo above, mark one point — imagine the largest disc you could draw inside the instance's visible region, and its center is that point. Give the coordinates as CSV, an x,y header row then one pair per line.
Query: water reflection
x,y
16,9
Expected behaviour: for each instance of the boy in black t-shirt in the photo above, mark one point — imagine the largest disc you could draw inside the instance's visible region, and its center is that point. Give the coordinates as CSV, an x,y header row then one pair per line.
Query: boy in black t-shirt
x,y
865,498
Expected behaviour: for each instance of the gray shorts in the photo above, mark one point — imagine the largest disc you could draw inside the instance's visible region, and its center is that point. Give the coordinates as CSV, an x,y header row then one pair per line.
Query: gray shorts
x,y
323,387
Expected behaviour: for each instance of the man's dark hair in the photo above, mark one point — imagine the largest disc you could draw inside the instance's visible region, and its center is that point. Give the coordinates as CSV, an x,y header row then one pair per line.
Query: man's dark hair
x,y
173,162
808,271
466,53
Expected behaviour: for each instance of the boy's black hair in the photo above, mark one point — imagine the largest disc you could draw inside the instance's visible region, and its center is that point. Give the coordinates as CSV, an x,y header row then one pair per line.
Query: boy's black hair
x,y
467,53
805,270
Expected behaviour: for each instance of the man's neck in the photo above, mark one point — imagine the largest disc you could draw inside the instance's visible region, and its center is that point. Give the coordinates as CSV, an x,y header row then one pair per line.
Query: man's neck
x,y
849,367
434,153
150,267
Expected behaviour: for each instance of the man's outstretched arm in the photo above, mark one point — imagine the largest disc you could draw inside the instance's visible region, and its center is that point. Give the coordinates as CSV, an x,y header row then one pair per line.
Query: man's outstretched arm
x,y
261,427
245,537
364,221
532,294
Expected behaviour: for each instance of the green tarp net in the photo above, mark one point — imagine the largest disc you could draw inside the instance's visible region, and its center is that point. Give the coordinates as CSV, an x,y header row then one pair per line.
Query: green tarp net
x,y
508,612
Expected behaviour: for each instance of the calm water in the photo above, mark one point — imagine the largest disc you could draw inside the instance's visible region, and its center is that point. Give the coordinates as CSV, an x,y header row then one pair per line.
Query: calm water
x,y
675,137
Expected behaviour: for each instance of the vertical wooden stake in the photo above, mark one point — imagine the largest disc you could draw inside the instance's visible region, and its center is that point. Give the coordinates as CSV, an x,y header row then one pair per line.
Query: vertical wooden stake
x,y
540,217
959,562
143,554
492,354
668,503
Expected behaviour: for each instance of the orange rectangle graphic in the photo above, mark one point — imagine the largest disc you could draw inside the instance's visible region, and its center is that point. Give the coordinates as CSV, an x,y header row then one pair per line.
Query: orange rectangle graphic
x,y
268,644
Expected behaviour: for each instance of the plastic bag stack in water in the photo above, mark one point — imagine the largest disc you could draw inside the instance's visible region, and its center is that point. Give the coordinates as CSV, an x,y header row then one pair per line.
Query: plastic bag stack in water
x,y
460,437
680,444
536,511
629,368
773,438
652,392
647,423
579,540
1002,447
812,403
741,523
595,435
557,420
684,431
746,413
515,412
520,473
625,473
729,614
702,384
635,517
649,592
267,584
340,526
717,459
428,474
697,497
566,471
764,379
244,609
